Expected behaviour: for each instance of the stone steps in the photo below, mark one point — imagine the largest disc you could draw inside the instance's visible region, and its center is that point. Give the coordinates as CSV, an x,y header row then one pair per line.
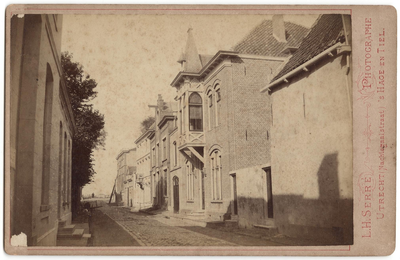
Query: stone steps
x,y
71,235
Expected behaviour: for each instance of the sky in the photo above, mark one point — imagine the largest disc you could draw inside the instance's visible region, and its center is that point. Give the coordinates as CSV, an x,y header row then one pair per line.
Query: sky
x,y
133,58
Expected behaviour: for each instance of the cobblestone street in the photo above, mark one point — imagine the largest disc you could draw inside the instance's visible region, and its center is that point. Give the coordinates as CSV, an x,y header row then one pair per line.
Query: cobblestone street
x,y
156,230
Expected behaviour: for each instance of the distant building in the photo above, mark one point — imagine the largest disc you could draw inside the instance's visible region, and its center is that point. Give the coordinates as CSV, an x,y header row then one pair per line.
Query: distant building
x,y
311,136
126,174
41,130
165,124
143,198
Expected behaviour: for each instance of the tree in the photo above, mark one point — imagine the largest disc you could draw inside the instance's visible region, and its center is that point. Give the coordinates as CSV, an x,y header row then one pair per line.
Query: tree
x,y
90,134
146,123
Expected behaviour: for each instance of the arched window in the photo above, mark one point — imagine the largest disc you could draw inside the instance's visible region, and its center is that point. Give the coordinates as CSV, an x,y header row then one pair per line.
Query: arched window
x,y
216,175
47,116
210,110
195,112
189,181
217,104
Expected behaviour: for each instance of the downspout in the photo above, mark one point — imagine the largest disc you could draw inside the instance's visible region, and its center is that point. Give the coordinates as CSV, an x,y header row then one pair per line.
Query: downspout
x,y
348,74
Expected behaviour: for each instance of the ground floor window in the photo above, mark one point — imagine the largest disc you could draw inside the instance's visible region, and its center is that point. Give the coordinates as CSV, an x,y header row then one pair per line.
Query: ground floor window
x,y
190,180
216,175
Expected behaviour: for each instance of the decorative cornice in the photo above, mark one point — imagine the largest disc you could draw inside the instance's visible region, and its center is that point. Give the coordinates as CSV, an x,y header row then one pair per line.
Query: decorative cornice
x,y
165,119
206,69
260,57
125,151
142,136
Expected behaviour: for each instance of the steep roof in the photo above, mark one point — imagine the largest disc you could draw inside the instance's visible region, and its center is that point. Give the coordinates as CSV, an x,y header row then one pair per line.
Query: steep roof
x,y
260,41
205,59
191,56
327,31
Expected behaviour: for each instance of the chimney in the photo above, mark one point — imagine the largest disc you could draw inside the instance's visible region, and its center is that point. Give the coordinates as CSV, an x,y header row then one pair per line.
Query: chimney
x,y
160,102
278,27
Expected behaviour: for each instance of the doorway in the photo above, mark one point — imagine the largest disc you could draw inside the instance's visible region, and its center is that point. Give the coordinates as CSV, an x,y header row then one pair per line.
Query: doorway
x,y
175,181
270,209
234,188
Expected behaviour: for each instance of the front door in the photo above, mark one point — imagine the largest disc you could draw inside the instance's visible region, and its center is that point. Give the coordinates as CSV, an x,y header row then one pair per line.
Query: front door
x,y
176,194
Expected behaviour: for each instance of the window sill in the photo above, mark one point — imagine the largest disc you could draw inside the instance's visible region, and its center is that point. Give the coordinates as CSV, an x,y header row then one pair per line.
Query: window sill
x,y
190,201
44,208
217,201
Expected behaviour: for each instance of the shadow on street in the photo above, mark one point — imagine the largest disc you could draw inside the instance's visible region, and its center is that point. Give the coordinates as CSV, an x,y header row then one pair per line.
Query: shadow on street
x,y
105,232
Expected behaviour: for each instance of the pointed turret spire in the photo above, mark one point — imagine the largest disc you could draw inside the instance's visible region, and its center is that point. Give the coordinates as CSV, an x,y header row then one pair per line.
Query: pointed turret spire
x,y
190,58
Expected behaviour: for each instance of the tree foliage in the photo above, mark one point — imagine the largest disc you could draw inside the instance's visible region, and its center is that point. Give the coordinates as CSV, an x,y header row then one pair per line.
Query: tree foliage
x,y
146,123
90,134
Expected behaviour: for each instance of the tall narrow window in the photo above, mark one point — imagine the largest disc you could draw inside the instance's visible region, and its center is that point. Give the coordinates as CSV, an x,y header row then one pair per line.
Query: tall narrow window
x,y
218,104
158,154
210,110
195,112
190,180
165,183
213,177
48,108
216,175
164,149
154,156
183,113
175,154
180,122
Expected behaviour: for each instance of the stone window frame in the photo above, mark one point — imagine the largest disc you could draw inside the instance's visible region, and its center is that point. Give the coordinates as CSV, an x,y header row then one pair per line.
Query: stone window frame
x,y
216,174
199,104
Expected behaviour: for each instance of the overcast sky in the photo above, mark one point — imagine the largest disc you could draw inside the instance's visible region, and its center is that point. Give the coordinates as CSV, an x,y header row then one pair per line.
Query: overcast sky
x,y
133,58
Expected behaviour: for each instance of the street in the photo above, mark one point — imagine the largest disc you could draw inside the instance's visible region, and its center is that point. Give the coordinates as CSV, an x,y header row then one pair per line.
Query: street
x,y
112,226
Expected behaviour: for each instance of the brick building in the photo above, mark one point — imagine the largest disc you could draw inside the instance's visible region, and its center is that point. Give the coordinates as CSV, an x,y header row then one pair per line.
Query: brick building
x,y
311,136
223,124
41,130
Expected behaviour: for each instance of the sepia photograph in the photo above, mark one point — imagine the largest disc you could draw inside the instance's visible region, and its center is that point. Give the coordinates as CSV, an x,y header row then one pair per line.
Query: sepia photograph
x,y
182,130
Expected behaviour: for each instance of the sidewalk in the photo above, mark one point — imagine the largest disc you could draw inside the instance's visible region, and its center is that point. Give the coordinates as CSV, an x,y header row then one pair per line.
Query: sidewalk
x,y
256,233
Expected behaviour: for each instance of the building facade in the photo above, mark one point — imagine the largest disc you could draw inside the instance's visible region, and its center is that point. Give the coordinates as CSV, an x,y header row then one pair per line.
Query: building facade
x,y
41,130
311,136
125,182
160,157
142,198
223,131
